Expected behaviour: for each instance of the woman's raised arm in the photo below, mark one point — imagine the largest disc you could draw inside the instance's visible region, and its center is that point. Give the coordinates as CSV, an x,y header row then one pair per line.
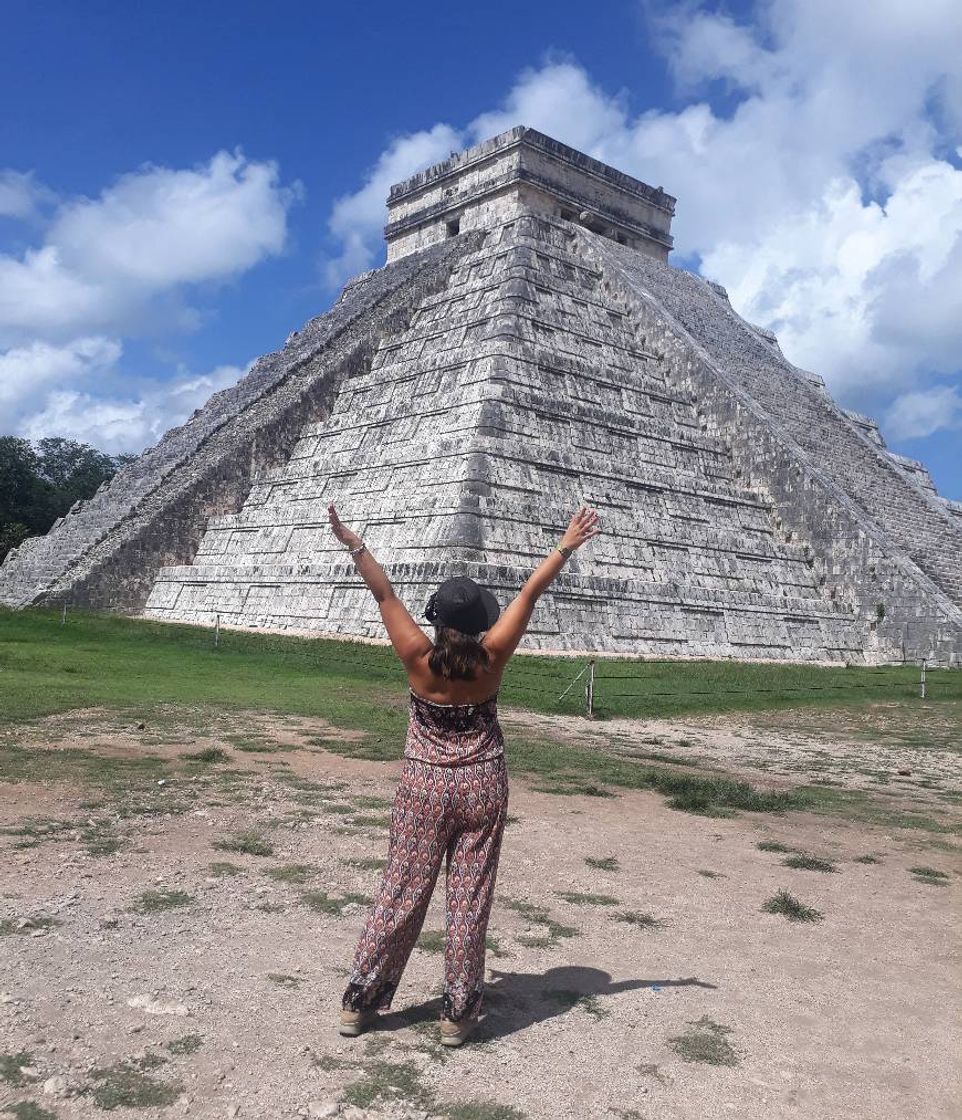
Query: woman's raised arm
x,y
409,640
503,637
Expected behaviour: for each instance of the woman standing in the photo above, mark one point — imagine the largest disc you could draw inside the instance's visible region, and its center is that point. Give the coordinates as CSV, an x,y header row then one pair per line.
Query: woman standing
x,y
452,798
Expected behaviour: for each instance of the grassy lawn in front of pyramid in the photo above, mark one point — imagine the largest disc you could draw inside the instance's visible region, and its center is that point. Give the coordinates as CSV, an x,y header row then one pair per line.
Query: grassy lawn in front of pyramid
x,y
149,670
107,660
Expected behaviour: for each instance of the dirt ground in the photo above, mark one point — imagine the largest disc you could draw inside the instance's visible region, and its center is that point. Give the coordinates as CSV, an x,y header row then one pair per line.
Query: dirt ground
x,y
217,994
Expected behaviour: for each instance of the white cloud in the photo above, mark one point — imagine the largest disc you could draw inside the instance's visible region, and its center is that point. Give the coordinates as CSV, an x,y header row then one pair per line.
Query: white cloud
x,y
827,196
28,371
357,220
116,423
21,196
917,414
110,268
109,264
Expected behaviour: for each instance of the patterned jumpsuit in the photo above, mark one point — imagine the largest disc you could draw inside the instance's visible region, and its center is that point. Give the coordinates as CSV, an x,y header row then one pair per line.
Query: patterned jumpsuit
x,y
451,803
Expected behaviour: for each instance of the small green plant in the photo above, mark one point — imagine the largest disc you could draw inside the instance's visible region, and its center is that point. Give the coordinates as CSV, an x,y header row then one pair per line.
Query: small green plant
x,y
186,1044
367,801
284,980
26,926
867,859
365,863
538,915
479,1110
28,1110
221,869
124,1085
929,875
389,1081
804,862
605,863
788,905
324,903
432,940
705,1042
292,873
208,754
10,1066
248,843
710,874
152,902
773,846
576,898
638,918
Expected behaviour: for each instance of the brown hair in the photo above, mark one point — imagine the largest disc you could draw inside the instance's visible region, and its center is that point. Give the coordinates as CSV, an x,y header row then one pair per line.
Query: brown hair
x,y
457,656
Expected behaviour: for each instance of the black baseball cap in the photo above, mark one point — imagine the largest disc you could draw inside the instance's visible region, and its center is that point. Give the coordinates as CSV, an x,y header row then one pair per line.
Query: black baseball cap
x,y
462,605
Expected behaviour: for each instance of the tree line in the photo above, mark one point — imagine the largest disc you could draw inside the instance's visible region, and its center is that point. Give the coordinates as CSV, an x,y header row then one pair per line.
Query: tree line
x,y
40,481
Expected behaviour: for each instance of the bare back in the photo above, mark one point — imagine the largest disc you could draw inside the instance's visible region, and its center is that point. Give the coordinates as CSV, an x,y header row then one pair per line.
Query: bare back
x,y
444,691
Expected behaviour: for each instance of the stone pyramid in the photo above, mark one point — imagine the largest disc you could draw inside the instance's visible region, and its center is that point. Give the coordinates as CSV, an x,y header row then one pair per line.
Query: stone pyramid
x,y
527,349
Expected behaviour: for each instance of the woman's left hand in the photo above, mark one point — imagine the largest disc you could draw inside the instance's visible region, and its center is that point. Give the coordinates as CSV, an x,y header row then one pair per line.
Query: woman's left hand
x,y
345,535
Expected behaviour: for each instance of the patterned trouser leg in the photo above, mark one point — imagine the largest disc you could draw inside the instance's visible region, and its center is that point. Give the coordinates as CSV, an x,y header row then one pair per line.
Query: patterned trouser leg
x,y
452,813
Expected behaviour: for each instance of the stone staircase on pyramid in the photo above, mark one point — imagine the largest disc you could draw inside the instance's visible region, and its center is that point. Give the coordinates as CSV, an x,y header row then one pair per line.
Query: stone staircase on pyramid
x,y
527,349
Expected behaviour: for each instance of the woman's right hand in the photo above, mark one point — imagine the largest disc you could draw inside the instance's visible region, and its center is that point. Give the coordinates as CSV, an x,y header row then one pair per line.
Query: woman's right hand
x,y
582,527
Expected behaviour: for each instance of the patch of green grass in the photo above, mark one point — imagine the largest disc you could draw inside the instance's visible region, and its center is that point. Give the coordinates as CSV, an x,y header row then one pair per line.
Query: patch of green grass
x,y
493,945
577,898
706,1041
208,754
787,904
124,1085
368,801
431,940
370,822
479,1110
389,1081
867,859
100,840
804,862
10,1065
186,1044
325,903
26,926
34,831
605,863
365,863
284,980
711,874
930,875
153,902
297,873
142,663
638,918
248,843
29,1110
222,869
538,915
773,846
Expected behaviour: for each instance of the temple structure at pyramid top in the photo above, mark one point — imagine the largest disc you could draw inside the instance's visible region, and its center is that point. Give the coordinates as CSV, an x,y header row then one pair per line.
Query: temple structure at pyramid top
x,y
524,171
527,348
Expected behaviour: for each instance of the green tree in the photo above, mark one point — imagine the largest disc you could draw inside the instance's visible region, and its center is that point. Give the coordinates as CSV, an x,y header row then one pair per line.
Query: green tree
x,y
40,483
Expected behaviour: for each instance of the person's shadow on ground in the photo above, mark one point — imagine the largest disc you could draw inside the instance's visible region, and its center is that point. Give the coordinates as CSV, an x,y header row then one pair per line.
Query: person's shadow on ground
x,y
515,1000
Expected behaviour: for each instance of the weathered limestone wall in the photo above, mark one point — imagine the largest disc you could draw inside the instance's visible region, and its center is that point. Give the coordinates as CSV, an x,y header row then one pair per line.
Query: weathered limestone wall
x,y
886,540
107,551
519,391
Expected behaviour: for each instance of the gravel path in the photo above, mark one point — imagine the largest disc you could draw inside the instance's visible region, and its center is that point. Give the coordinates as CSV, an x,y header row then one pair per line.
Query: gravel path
x,y
172,974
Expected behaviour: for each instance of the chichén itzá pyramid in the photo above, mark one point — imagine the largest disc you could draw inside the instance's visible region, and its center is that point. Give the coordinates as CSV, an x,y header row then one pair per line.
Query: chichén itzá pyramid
x,y
527,349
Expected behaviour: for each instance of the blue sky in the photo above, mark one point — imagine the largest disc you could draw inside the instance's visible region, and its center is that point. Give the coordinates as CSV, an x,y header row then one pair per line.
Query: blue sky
x,y
181,185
